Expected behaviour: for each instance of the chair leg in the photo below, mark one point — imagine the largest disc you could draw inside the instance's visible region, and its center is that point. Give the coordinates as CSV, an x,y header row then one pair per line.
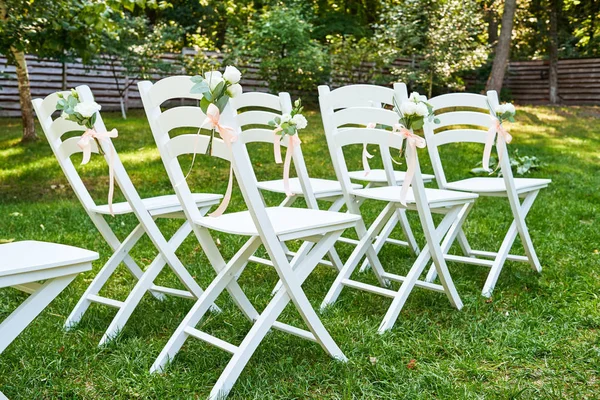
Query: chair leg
x,y
225,277
380,240
408,233
19,319
520,213
507,243
450,225
121,252
365,245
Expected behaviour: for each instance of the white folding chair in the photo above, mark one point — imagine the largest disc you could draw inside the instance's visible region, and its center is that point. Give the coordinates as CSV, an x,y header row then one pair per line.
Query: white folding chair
x,y
254,111
23,265
369,96
271,227
455,206
453,125
146,211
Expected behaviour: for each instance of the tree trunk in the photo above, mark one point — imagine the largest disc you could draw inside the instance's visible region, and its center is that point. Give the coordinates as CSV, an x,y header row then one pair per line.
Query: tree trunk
x,y
492,20
64,76
24,96
502,49
553,51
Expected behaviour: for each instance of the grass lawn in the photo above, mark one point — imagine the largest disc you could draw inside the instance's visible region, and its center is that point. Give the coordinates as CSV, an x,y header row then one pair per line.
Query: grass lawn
x,y
538,337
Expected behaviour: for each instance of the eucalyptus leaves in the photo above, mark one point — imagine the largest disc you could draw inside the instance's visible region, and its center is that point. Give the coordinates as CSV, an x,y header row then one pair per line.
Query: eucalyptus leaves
x,y
290,124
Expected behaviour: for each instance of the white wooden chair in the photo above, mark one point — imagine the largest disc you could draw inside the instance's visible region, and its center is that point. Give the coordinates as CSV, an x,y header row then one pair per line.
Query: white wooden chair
x,y
23,265
476,116
368,96
455,206
146,210
271,227
254,110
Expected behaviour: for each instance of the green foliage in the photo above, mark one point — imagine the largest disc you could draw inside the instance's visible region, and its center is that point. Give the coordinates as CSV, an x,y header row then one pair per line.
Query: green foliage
x,y
360,60
445,36
521,165
289,59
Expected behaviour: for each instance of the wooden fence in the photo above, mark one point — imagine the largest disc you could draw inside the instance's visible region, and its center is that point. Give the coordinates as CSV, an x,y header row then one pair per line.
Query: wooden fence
x,y
578,81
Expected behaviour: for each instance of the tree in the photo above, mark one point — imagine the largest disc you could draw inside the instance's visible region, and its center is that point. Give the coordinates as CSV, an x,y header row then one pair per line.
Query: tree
x,y
553,51
444,37
289,59
502,49
133,50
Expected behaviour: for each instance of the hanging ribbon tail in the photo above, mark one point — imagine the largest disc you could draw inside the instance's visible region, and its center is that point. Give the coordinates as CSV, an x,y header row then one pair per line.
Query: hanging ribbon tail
x,y
293,141
487,150
111,180
365,159
85,145
226,198
504,137
277,145
410,173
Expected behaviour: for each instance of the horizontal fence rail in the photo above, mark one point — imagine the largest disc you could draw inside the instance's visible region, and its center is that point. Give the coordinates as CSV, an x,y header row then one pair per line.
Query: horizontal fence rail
x,y
578,80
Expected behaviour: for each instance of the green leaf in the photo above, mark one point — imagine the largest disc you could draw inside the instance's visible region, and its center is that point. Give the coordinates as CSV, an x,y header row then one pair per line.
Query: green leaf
x,y
204,103
418,123
222,103
272,123
200,87
208,96
197,79
219,89
93,119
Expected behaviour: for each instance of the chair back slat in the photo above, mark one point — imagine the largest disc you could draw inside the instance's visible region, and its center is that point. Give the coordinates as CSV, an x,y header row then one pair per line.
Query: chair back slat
x,y
47,106
472,118
379,137
256,99
69,147
173,87
181,117
256,117
187,144
364,115
360,96
457,135
463,100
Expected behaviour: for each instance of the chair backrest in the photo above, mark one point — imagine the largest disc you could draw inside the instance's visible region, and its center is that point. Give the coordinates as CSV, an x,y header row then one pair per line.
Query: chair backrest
x,y
464,118
253,111
358,105
56,128
170,148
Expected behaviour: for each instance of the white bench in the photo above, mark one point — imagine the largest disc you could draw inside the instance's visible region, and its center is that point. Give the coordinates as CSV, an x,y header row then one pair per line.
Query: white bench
x,y
22,265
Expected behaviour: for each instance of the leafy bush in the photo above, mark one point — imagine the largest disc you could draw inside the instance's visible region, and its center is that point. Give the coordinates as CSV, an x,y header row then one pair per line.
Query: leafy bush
x,y
280,41
521,165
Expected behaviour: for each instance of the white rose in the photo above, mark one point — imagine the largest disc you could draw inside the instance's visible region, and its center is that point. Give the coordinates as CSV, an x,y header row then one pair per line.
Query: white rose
x,y
510,108
232,74
87,108
300,121
213,78
234,90
286,118
501,109
422,109
408,108
414,97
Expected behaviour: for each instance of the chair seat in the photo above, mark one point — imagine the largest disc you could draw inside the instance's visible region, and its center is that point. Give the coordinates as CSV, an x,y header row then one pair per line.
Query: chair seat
x,y
30,255
285,221
483,185
320,187
160,204
378,176
435,197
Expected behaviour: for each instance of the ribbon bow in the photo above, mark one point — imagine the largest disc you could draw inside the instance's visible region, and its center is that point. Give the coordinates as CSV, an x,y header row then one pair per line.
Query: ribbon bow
x,y
413,141
293,141
85,144
228,135
365,153
503,135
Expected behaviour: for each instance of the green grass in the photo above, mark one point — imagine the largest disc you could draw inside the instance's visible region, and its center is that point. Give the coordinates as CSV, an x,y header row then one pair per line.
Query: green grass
x,y
538,337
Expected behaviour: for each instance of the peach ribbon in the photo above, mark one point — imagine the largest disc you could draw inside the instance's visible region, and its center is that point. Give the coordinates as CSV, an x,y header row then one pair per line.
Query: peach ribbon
x,y
365,153
228,135
503,135
293,141
413,141
85,144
